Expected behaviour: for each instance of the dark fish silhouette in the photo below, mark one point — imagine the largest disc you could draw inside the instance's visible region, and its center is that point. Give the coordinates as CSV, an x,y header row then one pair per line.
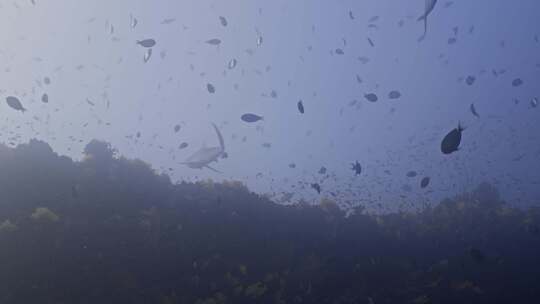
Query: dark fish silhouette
x,y
394,94
517,82
357,168
371,97
473,111
451,141
317,187
214,41
424,182
470,80
147,43
223,21
412,174
211,89
15,103
45,98
300,106
249,117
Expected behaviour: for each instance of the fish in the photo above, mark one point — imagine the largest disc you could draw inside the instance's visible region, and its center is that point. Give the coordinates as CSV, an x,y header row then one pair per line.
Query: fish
x,y
183,145
168,21
133,22
15,103
517,82
232,64
322,170
452,140
147,55
371,97
249,117
176,128
470,80
339,51
412,174
534,102
211,89
317,187
214,41
205,156
394,94
147,43
300,107
424,182
223,21
357,168
45,98
430,5
371,42
473,111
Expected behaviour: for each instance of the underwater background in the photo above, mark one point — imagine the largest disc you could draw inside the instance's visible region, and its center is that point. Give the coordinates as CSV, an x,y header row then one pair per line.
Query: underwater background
x,y
216,152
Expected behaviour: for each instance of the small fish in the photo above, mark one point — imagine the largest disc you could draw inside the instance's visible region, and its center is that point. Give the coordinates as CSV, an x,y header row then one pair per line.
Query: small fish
x,y
322,170
15,103
232,64
424,182
534,102
214,41
223,21
339,51
452,140
183,145
133,23
371,42
473,111
357,168
259,40
45,98
211,89
292,165
249,117
412,174
394,94
46,80
317,187
176,128
430,5
371,97
168,21
147,55
351,15
470,80
300,106
517,82
147,43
